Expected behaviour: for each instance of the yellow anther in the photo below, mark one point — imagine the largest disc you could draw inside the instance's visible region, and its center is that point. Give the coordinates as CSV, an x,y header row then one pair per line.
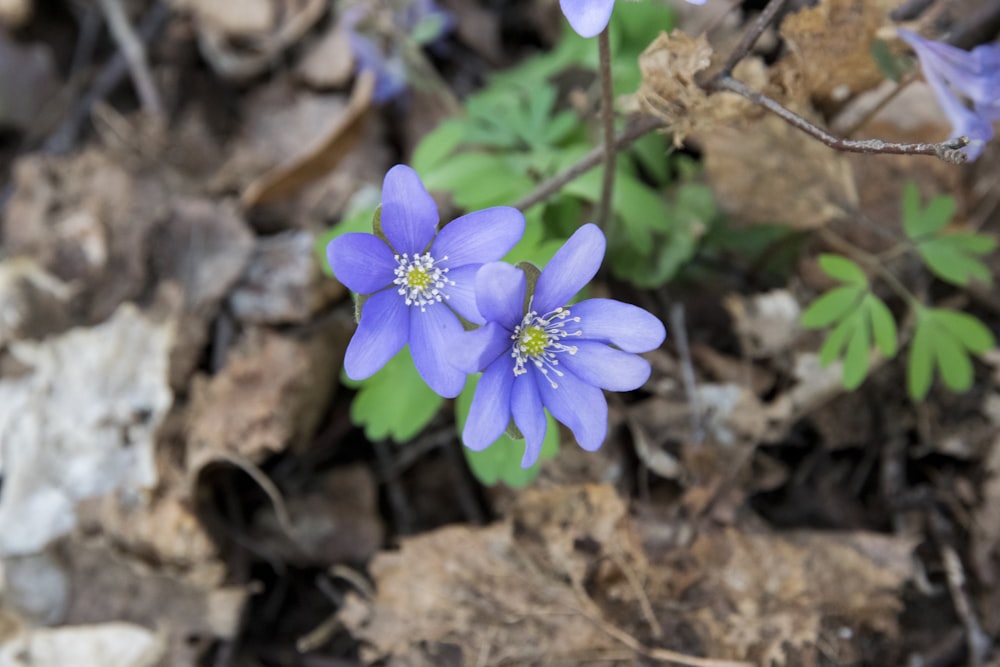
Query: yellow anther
x,y
534,340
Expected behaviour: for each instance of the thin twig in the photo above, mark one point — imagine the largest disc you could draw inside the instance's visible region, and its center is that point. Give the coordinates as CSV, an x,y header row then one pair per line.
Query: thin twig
x,y
949,151
608,122
63,139
593,614
269,488
135,55
635,130
679,330
978,642
751,36
398,503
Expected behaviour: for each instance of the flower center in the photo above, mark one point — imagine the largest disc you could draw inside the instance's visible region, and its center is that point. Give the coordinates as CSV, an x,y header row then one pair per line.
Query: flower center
x,y
420,281
538,340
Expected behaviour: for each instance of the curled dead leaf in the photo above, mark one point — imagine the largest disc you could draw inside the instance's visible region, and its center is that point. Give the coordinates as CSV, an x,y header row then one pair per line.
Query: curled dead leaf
x,y
290,177
669,91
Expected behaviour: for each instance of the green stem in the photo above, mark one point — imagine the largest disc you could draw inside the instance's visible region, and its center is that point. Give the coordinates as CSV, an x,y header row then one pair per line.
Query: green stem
x,y
608,118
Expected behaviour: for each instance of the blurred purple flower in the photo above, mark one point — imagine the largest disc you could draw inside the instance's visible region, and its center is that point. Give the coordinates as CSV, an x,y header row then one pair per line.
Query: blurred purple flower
x,y
420,20
418,280
550,355
589,17
955,76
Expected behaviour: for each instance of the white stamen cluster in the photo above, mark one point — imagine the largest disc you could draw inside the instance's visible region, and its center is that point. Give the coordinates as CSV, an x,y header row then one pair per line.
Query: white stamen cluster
x,y
538,339
420,281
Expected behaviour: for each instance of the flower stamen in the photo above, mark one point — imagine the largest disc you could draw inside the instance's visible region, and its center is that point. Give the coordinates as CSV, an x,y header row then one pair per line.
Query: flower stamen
x,y
421,282
538,339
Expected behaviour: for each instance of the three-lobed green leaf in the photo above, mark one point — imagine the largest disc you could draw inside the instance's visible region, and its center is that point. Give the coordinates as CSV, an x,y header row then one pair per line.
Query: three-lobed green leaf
x,y
952,256
945,340
395,402
859,317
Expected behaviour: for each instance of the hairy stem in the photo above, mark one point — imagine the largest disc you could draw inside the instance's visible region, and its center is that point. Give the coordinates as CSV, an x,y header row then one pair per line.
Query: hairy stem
x,y
608,122
949,150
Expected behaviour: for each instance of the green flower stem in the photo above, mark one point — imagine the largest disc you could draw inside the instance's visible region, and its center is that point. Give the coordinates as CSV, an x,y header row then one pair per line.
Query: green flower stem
x,y
608,119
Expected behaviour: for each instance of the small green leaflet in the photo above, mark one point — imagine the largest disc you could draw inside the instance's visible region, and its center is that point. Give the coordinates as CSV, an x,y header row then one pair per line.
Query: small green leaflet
x,y
859,317
945,339
501,461
952,256
394,403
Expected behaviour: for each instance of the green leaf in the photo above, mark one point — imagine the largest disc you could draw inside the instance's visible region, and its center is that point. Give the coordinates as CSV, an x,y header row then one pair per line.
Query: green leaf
x,y
501,461
952,361
831,307
651,151
634,25
918,222
945,338
922,356
428,29
836,340
969,330
856,357
891,66
843,269
948,258
883,325
437,145
395,402
478,180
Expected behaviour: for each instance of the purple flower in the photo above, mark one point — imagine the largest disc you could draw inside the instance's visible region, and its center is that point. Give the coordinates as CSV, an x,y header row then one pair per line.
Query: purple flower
x,y
385,57
955,76
589,17
549,355
417,280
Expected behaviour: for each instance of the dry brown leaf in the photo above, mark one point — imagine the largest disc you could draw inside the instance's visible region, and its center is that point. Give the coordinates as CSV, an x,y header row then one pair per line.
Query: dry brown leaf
x,y
188,606
499,594
15,13
766,324
765,595
247,18
297,17
105,644
669,90
289,178
566,579
86,219
269,395
28,77
829,47
201,252
34,303
329,62
283,283
771,173
82,424
336,520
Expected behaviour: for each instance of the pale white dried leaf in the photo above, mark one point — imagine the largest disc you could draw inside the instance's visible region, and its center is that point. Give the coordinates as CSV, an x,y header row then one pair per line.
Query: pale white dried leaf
x,y
81,424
